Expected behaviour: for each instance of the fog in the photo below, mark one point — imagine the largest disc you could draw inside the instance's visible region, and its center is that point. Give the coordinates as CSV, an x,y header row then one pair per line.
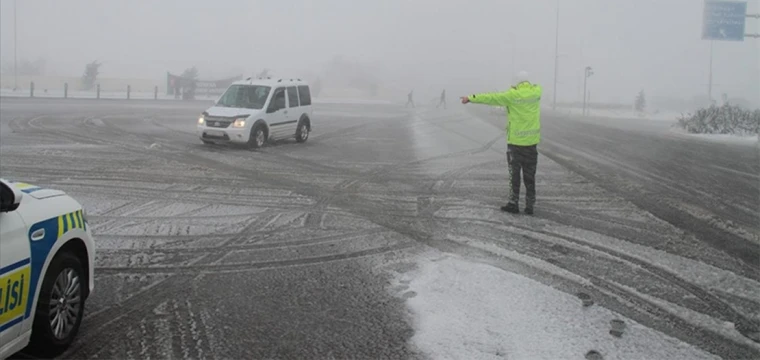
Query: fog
x,y
426,45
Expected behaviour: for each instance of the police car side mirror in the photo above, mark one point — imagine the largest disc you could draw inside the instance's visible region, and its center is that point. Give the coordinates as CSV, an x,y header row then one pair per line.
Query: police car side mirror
x,y
10,197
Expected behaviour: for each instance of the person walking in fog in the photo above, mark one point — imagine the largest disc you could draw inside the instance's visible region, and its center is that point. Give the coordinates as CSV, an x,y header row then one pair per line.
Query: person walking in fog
x,y
523,129
443,100
410,99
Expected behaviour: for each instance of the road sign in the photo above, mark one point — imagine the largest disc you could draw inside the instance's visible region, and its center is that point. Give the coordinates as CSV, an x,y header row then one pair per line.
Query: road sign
x,y
724,20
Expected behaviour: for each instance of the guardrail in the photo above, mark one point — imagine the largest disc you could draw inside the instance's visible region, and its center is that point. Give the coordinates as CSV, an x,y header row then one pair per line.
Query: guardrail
x,y
97,93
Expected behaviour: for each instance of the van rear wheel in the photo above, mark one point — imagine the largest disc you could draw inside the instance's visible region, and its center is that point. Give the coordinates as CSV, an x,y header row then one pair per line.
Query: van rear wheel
x,y
302,132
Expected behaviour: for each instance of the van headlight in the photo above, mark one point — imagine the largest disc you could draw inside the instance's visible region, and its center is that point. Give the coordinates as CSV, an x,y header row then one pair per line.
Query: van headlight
x,y
239,123
201,120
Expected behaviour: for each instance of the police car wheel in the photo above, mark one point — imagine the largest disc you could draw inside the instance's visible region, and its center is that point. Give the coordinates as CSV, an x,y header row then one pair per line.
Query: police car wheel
x,y
206,142
60,306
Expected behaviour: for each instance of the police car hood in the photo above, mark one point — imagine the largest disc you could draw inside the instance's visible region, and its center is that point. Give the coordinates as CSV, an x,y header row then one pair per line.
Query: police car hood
x,y
35,191
230,112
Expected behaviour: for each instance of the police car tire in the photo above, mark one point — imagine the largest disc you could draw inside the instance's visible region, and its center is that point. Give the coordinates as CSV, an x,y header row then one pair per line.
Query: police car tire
x,y
43,342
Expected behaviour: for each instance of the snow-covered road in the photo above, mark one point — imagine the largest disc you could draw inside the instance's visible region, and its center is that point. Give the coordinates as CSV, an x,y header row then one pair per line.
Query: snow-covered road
x,y
303,250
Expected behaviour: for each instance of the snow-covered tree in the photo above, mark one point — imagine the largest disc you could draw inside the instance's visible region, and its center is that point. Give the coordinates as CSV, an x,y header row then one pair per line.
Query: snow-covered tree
x,y
726,119
641,102
90,76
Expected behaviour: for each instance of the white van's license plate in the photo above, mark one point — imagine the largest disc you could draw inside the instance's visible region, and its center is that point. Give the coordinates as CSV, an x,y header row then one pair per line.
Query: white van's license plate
x,y
214,133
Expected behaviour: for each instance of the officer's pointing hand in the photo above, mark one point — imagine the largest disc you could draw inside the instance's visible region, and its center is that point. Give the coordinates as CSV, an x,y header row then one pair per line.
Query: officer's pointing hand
x,y
465,99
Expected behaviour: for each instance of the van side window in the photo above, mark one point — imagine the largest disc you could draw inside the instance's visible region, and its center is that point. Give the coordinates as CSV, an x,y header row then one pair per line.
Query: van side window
x,y
293,96
278,100
305,94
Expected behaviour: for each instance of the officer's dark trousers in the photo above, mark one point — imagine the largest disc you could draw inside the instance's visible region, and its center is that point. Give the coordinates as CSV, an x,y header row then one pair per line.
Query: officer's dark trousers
x,y
522,159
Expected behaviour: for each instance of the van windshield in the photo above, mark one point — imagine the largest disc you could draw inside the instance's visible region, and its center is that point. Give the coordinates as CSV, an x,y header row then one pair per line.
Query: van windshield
x,y
245,96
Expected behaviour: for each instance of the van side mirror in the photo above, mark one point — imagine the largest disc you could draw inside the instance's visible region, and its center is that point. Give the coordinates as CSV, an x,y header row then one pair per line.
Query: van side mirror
x,y
10,197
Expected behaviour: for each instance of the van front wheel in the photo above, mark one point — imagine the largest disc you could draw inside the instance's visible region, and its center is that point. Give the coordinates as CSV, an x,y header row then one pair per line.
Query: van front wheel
x,y
258,137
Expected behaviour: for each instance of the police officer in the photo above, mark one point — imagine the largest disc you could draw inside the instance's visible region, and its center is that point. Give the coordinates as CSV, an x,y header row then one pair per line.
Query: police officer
x,y
523,103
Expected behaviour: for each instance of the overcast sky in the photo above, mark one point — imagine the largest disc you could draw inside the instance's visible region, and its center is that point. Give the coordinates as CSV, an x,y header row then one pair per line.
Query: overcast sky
x,y
653,45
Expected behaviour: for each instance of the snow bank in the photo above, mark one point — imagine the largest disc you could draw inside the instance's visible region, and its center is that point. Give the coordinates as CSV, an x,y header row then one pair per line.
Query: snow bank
x,y
622,114
465,310
725,119
748,140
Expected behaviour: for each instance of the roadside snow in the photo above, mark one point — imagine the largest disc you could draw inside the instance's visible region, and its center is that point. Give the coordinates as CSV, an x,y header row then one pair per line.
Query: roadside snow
x,y
622,114
748,140
465,310
330,100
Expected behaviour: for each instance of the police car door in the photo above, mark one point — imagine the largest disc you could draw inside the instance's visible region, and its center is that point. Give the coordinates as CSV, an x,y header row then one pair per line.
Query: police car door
x,y
278,114
15,267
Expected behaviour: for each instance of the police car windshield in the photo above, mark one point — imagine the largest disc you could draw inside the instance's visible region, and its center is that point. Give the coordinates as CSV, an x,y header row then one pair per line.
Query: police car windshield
x,y
245,96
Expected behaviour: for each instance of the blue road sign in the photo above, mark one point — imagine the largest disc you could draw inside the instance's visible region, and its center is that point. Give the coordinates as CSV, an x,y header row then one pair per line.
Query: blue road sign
x,y
724,20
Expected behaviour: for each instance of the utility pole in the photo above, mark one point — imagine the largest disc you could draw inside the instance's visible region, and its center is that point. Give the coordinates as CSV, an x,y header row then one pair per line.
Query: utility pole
x,y
556,59
15,45
587,73
710,76
514,54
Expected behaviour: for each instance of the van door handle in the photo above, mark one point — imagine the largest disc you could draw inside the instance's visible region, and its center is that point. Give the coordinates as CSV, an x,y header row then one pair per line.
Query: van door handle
x,y
38,235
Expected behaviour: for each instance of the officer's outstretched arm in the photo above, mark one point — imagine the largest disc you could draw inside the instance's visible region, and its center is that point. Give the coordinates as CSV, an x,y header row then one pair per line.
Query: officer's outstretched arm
x,y
495,99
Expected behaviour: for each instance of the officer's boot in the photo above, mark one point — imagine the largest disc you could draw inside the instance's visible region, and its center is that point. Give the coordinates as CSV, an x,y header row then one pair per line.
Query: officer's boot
x,y
511,208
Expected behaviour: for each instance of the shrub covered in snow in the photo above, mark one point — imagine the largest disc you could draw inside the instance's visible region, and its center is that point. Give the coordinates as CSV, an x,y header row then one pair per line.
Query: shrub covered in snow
x,y
726,119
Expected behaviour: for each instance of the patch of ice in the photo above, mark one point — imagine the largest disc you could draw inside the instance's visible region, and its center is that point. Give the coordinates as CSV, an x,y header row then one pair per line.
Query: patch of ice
x,y
464,310
695,272
96,122
516,256
724,328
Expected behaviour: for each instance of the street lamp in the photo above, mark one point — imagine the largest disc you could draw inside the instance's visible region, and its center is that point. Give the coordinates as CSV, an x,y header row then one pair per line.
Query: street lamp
x,y
588,72
15,46
556,59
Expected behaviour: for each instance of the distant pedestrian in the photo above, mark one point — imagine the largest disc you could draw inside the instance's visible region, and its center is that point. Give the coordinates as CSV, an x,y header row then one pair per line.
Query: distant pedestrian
x,y
410,99
443,100
523,128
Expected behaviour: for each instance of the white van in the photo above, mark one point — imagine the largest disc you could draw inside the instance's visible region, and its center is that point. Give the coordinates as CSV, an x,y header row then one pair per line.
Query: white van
x,y
253,111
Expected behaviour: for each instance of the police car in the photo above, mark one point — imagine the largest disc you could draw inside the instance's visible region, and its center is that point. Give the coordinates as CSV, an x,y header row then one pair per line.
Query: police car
x,y
46,269
252,112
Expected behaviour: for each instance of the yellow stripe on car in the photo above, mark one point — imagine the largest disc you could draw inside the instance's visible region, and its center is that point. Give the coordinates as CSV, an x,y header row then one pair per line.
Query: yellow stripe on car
x,y
14,288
